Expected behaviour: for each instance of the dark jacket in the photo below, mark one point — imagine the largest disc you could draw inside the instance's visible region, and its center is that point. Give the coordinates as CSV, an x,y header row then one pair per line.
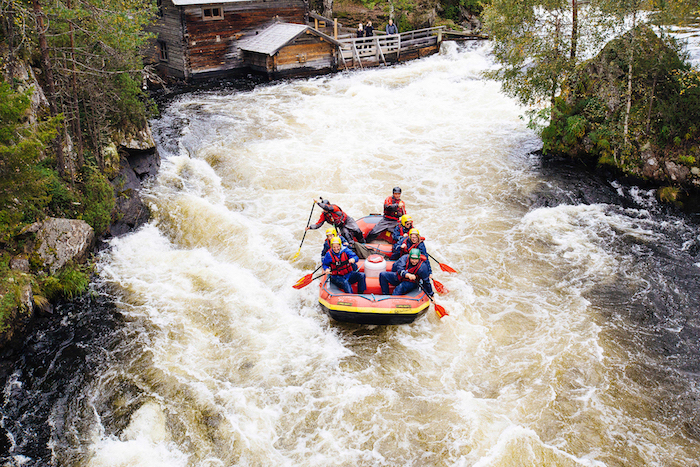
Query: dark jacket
x,y
402,266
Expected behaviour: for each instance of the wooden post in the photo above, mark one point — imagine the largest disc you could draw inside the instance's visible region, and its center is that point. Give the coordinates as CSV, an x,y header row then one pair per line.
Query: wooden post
x,y
316,24
335,28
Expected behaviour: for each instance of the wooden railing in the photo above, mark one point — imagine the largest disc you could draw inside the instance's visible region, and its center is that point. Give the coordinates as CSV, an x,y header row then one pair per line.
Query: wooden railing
x,y
377,48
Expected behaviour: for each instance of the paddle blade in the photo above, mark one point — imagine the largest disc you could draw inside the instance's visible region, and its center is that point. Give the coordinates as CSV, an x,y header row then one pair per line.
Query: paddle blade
x,y
446,268
439,288
440,311
304,281
296,255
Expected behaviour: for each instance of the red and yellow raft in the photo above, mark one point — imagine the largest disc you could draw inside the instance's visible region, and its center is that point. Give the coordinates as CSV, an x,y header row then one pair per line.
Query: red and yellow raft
x,y
372,307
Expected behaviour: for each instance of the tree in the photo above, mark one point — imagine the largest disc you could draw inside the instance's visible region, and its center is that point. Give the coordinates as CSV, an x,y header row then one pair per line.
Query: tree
x,y
535,43
531,38
21,148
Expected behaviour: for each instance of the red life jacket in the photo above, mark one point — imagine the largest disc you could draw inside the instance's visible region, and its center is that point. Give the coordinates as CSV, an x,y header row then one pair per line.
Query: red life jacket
x,y
412,269
394,213
340,264
406,248
335,217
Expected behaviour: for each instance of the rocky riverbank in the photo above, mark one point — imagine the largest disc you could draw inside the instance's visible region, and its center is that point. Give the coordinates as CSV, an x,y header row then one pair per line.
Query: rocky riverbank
x,y
53,244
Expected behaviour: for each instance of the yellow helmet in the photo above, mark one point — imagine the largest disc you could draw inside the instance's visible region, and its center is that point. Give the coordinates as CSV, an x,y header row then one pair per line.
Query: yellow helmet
x,y
414,231
336,241
405,218
331,231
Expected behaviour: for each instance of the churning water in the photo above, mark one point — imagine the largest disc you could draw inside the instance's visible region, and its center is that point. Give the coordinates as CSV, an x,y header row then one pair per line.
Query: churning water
x,y
573,330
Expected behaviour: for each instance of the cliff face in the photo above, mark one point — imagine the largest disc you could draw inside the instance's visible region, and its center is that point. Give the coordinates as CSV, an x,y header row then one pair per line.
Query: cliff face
x,y
657,138
38,261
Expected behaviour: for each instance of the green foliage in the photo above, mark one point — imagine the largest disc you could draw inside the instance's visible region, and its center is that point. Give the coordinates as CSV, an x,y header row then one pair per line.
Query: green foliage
x,y
451,8
70,282
687,160
21,148
530,43
11,284
665,106
98,200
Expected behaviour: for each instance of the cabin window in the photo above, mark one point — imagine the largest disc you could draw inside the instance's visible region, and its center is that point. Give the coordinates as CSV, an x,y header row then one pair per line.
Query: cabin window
x,y
212,13
162,51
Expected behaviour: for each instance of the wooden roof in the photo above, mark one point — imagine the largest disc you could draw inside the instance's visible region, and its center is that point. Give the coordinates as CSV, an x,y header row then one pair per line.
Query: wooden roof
x,y
272,39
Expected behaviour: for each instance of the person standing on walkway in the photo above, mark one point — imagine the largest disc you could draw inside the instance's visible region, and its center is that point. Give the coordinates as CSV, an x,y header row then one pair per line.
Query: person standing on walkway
x,y
391,28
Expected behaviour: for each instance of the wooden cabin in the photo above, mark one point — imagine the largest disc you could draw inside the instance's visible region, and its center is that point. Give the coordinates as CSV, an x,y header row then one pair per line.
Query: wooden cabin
x,y
199,40
286,49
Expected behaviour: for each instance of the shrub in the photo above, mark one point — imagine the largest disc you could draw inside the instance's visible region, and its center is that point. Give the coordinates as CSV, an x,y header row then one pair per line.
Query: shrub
x,y
98,200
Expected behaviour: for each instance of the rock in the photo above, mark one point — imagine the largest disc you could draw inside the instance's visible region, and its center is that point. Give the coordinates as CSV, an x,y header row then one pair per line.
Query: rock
x,y
677,173
30,229
140,140
695,171
651,166
18,317
26,298
63,240
132,212
20,264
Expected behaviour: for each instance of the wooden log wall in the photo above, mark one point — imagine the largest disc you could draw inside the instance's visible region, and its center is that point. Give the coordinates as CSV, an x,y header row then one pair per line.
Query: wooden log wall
x,y
169,29
314,55
212,45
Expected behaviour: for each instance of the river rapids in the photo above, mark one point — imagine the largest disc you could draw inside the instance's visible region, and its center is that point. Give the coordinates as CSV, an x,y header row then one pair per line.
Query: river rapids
x,y
572,338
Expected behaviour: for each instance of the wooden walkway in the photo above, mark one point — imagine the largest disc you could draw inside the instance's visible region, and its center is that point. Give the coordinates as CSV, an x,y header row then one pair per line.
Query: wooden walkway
x,y
386,49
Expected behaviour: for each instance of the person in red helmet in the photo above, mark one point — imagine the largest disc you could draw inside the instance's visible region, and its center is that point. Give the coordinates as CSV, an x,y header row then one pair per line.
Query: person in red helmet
x,y
346,225
394,208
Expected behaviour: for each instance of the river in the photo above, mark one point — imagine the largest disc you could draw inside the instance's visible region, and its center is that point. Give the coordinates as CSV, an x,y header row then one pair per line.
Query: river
x,y
573,331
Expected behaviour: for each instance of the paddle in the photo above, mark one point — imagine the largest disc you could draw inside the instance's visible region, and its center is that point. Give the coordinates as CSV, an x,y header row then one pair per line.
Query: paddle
x,y
439,288
296,255
306,280
444,267
301,285
439,310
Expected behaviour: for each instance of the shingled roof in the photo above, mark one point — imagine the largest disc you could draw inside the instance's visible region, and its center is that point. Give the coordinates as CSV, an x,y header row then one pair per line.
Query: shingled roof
x,y
272,39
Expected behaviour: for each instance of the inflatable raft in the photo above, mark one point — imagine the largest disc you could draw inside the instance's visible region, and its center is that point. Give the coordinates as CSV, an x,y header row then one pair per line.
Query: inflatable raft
x,y
372,307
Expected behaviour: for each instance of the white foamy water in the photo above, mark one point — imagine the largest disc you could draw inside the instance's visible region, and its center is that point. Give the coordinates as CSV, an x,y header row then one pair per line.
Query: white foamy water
x,y
239,368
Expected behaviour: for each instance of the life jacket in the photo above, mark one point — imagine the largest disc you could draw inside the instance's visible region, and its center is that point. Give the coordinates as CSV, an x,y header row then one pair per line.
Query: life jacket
x,y
412,269
394,213
403,230
340,264
336,216
404,245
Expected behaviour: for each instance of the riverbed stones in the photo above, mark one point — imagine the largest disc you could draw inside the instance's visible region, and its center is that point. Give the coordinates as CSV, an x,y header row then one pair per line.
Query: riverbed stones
x,y
60,241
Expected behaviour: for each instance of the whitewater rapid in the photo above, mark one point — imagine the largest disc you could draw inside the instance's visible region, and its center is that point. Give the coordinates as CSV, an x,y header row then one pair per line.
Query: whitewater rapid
x,y
544,360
